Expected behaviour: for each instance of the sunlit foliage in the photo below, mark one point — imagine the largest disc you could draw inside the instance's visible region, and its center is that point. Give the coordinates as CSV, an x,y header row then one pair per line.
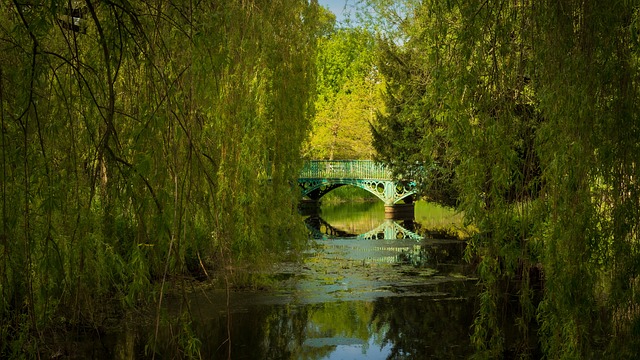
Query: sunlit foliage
x,y
348,89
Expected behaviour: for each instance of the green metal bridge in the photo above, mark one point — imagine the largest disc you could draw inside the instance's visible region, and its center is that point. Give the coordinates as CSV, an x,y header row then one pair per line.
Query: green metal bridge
x,y
319,177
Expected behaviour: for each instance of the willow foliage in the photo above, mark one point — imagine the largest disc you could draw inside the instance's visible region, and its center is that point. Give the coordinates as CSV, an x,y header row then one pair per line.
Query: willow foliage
x,y
538,101
141,139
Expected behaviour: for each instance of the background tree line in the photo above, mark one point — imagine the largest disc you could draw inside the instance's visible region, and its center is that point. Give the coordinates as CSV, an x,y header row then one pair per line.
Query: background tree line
x,y
349,90
526,115
141,139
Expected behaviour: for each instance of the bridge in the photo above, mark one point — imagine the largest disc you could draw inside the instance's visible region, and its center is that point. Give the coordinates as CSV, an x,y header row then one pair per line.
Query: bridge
x,y
319,177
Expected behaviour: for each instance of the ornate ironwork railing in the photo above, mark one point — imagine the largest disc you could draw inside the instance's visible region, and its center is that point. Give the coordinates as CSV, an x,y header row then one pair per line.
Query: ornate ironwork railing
x,y
345,169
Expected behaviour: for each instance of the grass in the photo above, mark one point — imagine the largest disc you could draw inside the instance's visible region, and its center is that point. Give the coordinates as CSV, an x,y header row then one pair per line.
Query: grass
x,y
345,194
441,220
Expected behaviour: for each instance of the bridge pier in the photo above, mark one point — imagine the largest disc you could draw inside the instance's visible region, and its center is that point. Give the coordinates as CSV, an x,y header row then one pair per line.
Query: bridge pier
x,y
399,211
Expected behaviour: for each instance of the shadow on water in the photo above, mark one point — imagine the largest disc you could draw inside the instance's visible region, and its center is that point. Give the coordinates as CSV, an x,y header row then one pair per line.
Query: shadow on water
x,y
367,289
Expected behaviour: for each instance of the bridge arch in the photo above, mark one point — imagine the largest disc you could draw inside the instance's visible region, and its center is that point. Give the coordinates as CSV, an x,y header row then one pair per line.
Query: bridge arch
x,y
389,192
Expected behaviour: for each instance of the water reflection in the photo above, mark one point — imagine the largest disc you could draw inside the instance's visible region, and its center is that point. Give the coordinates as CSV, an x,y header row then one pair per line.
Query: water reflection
x,y
434,325
391,229
367,289
394,243
388,229
431,326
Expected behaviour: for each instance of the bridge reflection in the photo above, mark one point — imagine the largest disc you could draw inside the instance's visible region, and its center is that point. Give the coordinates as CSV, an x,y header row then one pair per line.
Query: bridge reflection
x,y
388,230
393,242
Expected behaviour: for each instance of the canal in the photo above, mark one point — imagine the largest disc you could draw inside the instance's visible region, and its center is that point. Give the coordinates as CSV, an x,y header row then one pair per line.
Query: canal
x,y
368,288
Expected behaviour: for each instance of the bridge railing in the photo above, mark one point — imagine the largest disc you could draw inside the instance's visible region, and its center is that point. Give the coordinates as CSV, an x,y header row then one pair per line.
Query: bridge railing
x,y
345,169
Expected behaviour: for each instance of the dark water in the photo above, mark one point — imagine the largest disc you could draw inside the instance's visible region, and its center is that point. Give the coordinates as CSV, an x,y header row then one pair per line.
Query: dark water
x,y
369,289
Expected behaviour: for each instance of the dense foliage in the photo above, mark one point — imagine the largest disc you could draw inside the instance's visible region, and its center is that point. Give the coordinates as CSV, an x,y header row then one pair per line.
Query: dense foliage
x,y
142,139
407,136
535,105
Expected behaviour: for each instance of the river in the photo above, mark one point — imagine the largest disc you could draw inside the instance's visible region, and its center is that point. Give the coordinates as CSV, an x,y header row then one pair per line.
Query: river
x,y
368,288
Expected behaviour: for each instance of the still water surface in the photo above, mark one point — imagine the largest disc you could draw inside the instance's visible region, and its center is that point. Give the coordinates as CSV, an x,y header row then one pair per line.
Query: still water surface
x,y
368,289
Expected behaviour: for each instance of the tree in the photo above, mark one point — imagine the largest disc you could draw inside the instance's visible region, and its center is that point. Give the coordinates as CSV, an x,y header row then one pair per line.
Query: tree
x,y
537,105
407,136
348,89
139,140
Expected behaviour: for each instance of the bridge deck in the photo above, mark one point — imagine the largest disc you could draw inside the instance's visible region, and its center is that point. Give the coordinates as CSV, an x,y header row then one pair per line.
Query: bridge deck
x,y
345,169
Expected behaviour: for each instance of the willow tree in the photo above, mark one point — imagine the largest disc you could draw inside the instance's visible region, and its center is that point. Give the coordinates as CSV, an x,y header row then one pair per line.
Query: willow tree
x,y
538,105
141,139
